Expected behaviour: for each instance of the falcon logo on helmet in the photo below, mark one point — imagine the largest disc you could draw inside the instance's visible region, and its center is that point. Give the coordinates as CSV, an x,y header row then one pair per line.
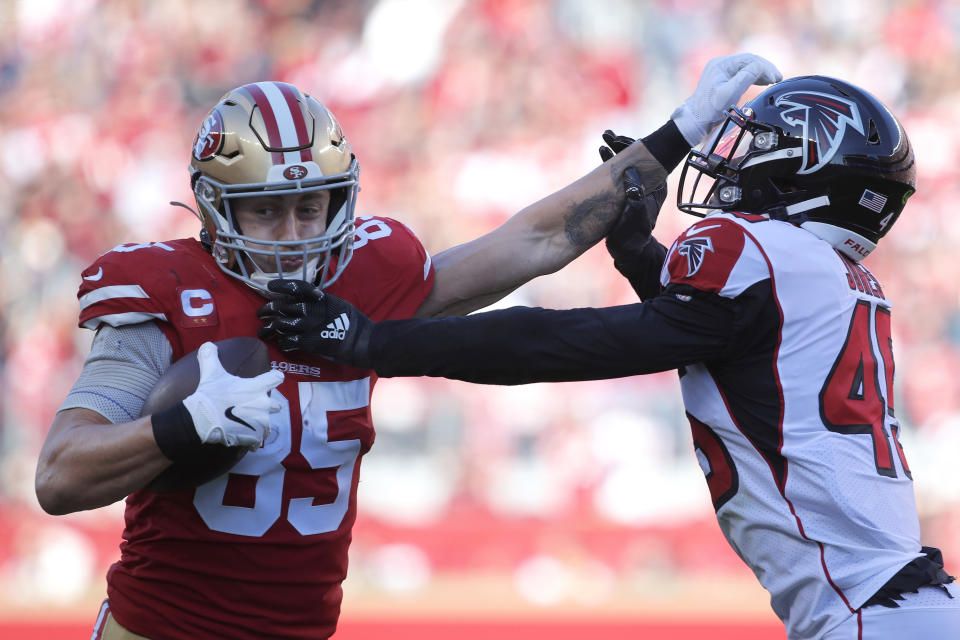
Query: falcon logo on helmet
x,y
210,137
824,119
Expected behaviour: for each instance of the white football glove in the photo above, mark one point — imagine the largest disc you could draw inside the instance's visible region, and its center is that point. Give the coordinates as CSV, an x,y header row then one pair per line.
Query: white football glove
x,y
227,409
721,85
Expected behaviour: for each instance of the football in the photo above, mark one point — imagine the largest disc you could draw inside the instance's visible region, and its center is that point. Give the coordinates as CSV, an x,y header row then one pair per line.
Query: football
x,y
244,357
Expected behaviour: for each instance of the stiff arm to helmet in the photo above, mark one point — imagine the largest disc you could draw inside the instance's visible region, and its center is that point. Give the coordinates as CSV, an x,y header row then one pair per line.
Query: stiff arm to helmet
x,y
812,150
722,83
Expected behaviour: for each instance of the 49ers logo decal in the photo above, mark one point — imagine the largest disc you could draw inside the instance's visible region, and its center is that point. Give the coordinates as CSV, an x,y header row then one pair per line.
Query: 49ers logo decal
x,y
295,172
823,118
210,137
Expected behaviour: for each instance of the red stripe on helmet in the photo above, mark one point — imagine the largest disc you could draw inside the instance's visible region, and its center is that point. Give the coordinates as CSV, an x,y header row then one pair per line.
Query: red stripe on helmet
x,y
269,120
299,123
837,105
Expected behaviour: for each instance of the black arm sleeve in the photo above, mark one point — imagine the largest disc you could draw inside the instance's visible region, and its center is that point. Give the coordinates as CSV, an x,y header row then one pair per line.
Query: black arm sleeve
x,y
522,344
641,267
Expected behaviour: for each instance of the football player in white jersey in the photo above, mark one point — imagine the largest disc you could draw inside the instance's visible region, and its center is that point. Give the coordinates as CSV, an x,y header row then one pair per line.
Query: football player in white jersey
x,y
782,339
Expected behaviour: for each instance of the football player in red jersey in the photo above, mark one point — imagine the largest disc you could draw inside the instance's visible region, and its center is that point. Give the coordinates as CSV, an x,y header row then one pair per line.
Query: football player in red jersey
x,y
261,551
783,344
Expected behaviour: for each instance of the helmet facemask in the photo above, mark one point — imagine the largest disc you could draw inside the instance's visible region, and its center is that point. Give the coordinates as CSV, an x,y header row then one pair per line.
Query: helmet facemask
x,y
716,168
323,257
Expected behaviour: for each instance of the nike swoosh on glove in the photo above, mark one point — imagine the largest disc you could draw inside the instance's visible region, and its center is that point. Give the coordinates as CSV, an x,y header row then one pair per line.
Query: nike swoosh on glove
x,y
230,410
303,317
720,87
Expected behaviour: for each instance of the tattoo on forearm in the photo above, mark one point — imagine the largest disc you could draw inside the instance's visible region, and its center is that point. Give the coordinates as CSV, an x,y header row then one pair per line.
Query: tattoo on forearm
x,y
590,219
651,171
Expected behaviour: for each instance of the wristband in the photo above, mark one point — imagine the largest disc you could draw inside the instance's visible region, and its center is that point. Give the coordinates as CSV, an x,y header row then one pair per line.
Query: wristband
x,y
174,432
667,145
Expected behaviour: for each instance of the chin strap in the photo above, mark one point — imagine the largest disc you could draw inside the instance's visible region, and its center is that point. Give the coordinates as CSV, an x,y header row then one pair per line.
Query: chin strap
x,y
797,212
177,203
262,277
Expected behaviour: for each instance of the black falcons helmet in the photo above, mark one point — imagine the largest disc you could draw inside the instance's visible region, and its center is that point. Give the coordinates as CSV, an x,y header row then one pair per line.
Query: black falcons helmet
x,y
812,150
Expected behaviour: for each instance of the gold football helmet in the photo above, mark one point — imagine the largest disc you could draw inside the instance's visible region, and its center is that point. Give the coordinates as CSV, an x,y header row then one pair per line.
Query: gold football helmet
x,y
270,137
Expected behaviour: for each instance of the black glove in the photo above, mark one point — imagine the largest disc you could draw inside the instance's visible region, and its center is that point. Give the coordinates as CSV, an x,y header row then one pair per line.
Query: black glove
x,y
615,144
631,231
302,317
636,254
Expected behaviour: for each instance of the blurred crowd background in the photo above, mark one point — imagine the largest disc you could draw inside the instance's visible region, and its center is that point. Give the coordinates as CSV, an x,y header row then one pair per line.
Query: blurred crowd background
x,y
460,112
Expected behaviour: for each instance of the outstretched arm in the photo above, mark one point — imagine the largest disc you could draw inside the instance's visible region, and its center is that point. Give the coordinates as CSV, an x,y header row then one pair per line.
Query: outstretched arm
x,y
550,233
511,346
538,240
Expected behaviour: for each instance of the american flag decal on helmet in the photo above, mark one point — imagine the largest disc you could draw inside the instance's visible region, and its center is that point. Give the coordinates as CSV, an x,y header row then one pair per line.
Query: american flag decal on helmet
x,y
288,133
824,119
873,201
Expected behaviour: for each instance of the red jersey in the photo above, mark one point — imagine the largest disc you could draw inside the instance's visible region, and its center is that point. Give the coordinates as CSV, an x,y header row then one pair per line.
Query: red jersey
x,y
260,551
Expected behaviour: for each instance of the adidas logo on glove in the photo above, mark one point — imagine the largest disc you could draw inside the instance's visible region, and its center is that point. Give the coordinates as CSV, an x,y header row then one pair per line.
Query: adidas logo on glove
x,y
337,329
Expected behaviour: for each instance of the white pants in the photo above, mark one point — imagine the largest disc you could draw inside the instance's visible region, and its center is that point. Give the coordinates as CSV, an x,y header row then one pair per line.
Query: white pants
x,y
929,614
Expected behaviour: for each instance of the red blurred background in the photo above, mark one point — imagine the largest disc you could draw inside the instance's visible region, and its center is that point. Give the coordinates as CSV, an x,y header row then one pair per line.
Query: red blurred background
x,y
538,511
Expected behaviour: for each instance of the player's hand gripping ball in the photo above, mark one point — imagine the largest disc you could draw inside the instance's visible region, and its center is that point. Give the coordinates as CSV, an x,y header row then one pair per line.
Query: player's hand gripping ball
x,y
244,357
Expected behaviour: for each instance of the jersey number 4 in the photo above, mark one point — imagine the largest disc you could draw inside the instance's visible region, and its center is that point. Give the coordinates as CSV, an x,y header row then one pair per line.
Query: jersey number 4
x,y
852,400
316,400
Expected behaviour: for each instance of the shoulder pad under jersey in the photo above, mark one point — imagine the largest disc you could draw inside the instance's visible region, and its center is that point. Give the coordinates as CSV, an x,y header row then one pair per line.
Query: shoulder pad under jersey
x,y
131,282
390,274
716,255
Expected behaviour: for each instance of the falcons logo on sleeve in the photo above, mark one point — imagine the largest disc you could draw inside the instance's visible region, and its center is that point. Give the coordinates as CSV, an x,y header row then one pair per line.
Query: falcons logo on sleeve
x,y
695,247
823,118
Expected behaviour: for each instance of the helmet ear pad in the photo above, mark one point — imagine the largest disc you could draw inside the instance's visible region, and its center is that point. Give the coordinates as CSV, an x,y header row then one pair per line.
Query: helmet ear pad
x,y
781,195
772,187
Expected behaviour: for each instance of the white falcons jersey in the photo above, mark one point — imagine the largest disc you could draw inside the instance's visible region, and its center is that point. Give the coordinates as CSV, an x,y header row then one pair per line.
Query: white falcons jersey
x,y
798,439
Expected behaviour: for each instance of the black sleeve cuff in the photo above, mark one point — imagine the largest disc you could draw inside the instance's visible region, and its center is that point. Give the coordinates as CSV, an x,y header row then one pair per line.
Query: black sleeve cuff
x,y
667,145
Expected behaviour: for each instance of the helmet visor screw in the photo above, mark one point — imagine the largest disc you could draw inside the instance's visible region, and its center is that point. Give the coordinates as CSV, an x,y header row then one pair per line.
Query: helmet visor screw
x,y
729,194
